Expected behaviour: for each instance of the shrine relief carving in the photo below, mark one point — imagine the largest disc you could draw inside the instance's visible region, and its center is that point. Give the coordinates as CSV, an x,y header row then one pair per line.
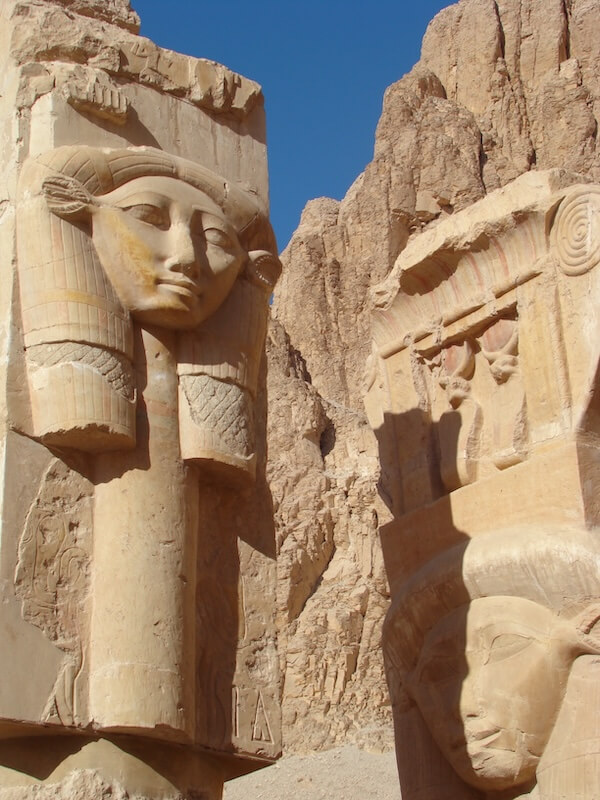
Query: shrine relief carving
x,y
576,231
91,92
255,718
111,238
483,393
472,325
52,580
478,404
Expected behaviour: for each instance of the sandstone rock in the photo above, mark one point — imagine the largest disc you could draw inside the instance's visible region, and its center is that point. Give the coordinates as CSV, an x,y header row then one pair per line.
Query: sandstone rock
x,y
524,71
321,463
502,88
117,12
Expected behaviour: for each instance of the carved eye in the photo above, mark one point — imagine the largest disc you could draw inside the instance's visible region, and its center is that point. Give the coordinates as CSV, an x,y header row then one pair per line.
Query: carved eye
x,y
507,645
151,215
218,237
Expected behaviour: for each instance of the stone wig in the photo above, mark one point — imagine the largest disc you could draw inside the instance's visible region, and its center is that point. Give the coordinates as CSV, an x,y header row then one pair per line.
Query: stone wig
x,y
66,271
78,336
558,569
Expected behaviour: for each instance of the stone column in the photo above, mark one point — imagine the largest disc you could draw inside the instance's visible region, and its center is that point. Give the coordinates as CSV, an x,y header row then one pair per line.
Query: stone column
x,y
137,579
143,562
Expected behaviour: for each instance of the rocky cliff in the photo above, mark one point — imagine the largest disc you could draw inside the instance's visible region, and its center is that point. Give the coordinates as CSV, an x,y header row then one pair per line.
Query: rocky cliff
x,y
502,87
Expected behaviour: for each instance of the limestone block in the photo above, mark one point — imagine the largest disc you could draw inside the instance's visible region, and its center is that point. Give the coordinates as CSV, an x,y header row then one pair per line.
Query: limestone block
x,y
136,559
69,31
483,389
497,296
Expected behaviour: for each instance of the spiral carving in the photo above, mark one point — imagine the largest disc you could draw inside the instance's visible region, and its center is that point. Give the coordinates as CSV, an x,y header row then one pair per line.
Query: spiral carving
x,y
576,231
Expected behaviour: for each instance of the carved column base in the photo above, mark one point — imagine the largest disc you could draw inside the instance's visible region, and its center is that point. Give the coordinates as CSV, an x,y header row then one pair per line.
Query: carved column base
x,y
78,768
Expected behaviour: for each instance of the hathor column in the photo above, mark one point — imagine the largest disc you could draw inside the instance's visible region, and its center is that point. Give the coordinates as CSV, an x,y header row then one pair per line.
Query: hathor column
x,y
136,551
483,393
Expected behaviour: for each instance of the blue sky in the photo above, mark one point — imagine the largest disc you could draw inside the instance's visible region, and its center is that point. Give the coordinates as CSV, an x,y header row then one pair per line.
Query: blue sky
x,y
323,67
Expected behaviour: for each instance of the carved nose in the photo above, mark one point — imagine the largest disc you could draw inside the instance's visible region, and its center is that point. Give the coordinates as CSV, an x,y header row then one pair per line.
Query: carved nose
x,y
183,256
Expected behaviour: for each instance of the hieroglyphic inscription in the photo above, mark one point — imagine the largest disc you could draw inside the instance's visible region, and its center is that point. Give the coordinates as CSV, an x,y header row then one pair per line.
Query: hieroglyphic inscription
x,y
261,730
256,720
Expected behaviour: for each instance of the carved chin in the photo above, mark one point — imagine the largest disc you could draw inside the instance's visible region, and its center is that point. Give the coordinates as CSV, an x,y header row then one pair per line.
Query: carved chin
x,y
169,307
174,317
490,768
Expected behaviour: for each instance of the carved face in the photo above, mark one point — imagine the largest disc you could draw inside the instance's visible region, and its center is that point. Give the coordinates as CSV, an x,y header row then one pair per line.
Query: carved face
x,y
489,682
168,250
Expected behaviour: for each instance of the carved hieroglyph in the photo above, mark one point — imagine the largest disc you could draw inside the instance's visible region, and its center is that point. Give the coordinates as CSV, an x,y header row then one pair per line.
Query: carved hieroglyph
x,y
136,557
482,393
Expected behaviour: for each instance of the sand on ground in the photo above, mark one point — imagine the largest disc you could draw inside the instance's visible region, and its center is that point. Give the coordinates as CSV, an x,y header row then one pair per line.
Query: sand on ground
x,y
344,773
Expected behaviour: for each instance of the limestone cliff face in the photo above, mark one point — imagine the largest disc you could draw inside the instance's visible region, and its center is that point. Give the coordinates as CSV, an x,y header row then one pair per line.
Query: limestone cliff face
x,y
502,87
331,587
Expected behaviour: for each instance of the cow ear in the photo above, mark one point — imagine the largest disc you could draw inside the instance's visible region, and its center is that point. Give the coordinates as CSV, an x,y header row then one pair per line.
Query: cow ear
x,y
67,197
263,269
588,629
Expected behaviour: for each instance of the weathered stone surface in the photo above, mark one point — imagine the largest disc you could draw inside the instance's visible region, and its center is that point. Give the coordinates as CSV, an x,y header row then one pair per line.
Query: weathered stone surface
x,y
331,592
137,576
79,768
81,785
104,36
117,12
502,88
524,71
